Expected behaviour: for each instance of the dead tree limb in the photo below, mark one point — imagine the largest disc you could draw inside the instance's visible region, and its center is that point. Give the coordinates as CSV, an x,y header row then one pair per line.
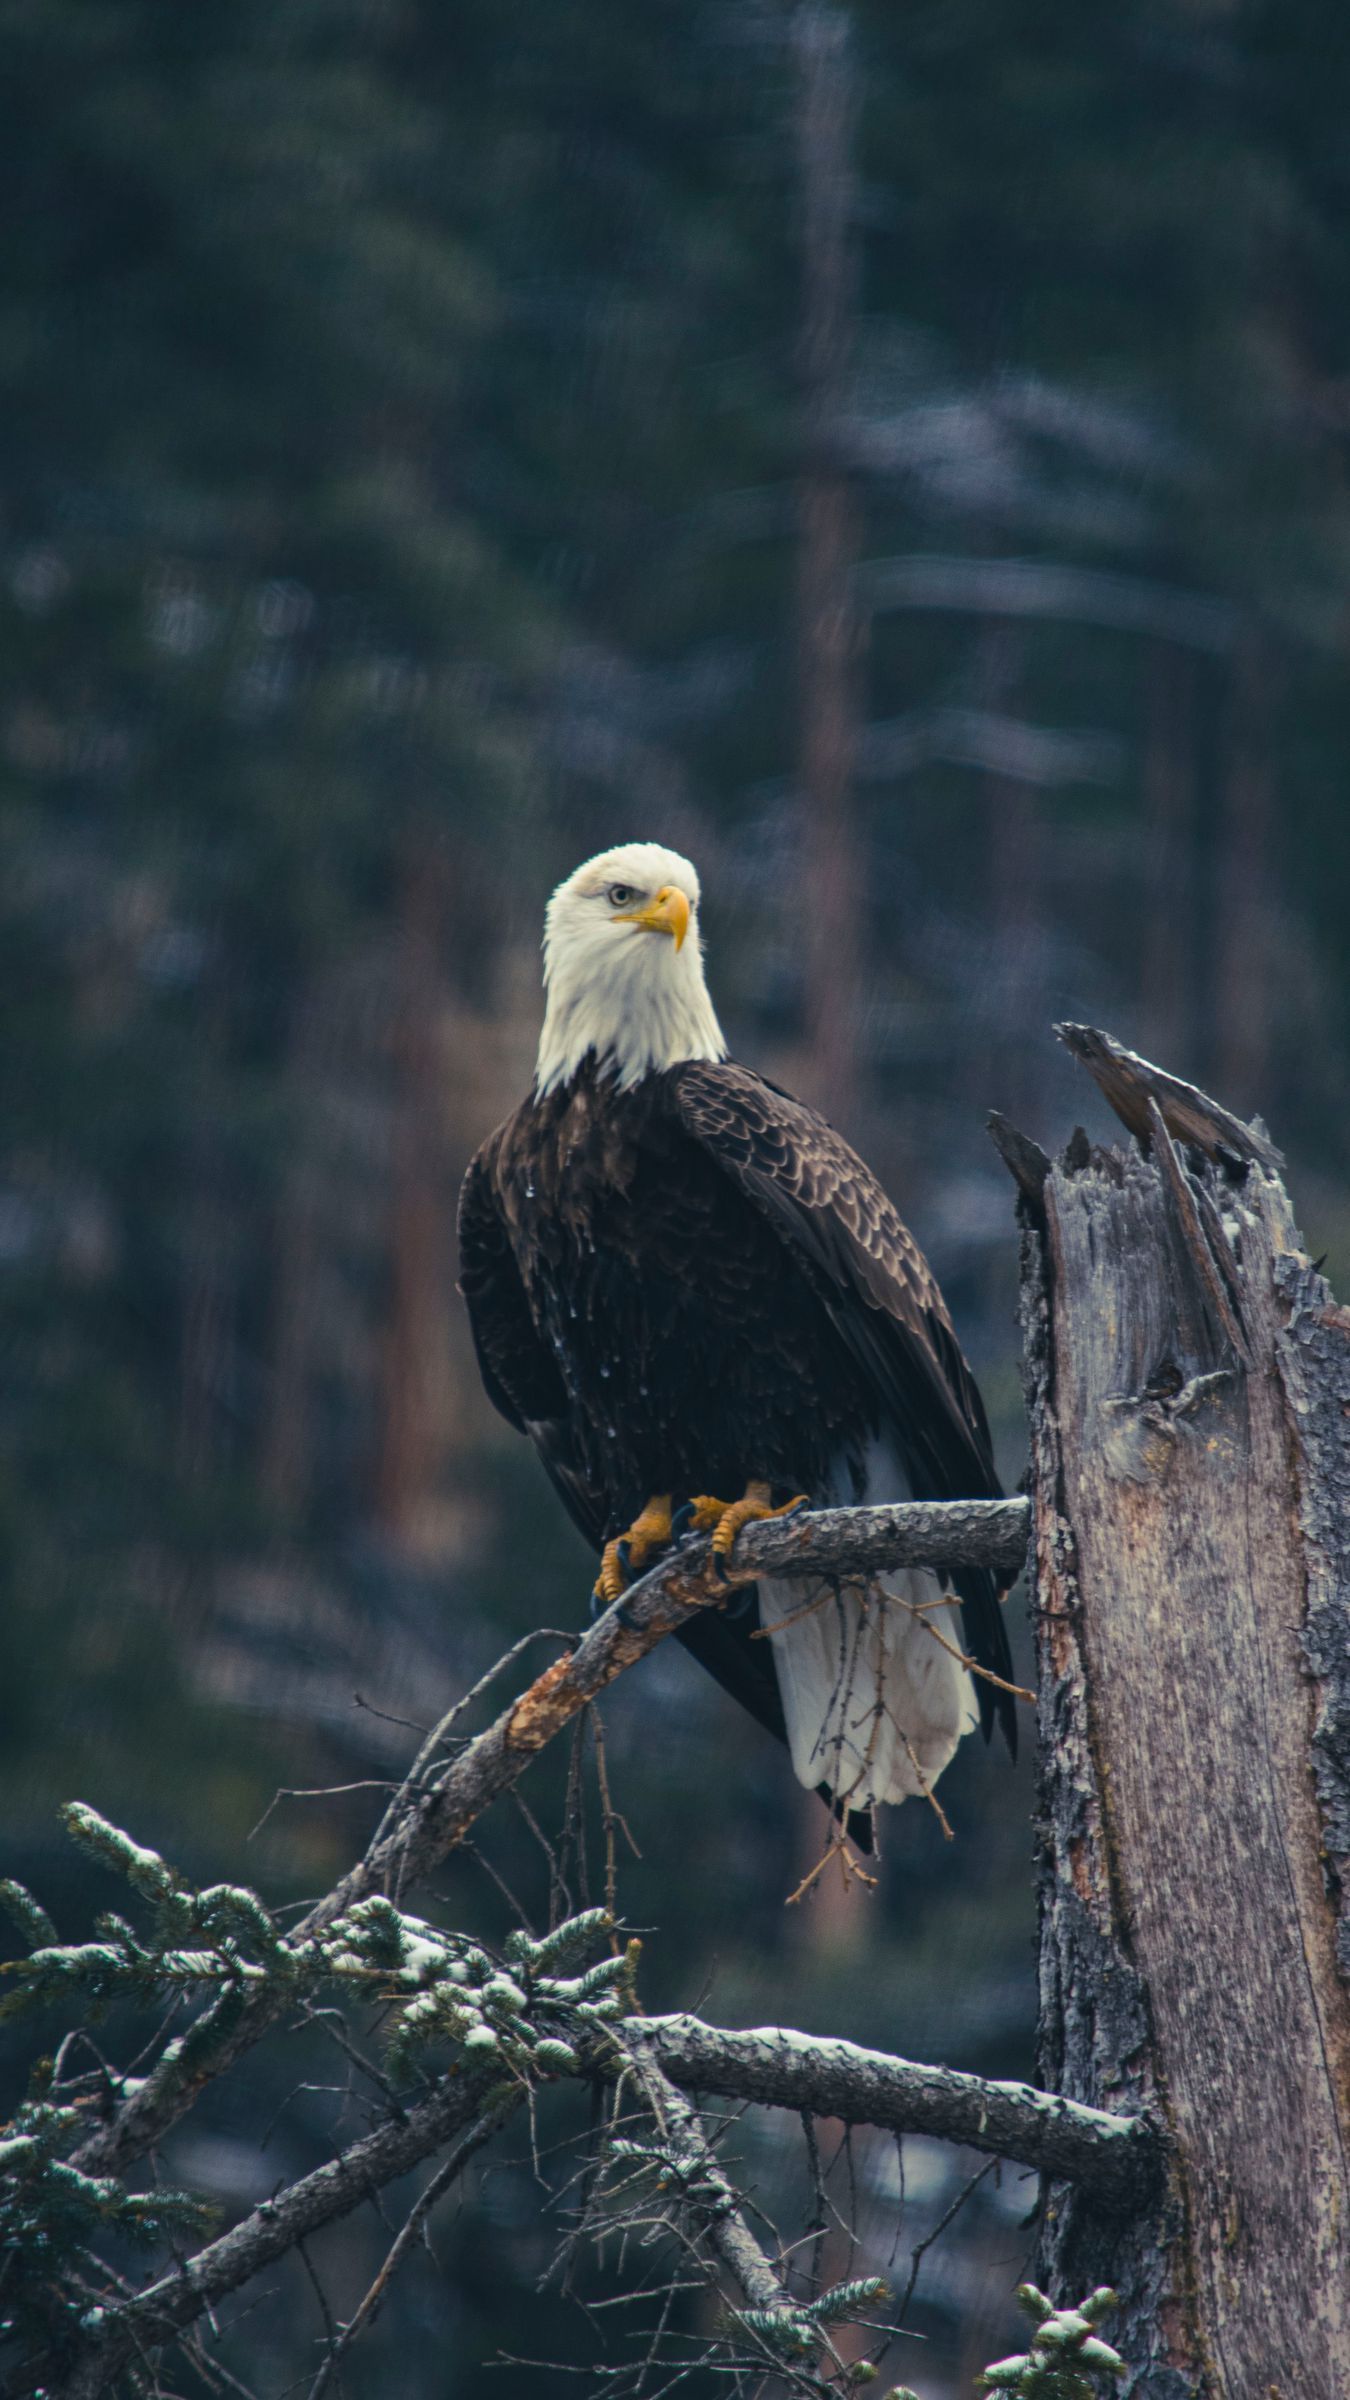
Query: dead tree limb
x,y
1132,1084
437,1816
1119,2159
116,2335
709,2202
1188,1381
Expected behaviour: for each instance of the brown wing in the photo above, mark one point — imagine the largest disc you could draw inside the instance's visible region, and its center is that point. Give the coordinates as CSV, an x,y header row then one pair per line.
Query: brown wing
x,y
520,1376
827,1206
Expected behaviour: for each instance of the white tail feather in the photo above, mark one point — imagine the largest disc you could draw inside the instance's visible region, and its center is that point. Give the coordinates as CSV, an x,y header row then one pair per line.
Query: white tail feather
x,y
875,1706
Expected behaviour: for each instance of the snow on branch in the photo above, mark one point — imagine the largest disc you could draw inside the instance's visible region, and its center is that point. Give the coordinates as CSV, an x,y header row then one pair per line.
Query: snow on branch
x,y
1120,2157
443,1798
1067,2353
483,2029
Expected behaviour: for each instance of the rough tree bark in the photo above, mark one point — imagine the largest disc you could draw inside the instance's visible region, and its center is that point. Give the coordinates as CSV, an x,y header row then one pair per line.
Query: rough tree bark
x,y
1188,1380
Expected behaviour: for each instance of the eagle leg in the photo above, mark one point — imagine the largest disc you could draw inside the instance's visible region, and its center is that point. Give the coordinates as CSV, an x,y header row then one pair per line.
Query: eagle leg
x,y
724,1519
628,1554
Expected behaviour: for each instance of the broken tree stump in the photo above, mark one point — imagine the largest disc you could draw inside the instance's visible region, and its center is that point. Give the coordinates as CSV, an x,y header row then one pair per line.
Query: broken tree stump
x,y
1188,1381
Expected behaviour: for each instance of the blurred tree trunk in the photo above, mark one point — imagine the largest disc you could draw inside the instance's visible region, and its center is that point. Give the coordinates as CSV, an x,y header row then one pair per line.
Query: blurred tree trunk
x,y
1017,877
207,1322
1167,951
829,637
286,1454
1189,1387
415,1350
1243,967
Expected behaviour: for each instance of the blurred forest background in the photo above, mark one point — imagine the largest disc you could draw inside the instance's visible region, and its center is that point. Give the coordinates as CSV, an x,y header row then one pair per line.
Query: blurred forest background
x,y
898,457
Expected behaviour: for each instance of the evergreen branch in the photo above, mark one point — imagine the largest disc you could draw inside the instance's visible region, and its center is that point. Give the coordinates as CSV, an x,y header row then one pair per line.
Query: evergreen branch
x,y
1066,2354
988,1533
545,2009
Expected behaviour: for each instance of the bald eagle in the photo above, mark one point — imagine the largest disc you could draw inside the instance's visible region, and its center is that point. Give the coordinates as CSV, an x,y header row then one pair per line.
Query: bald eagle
x,y
699,1303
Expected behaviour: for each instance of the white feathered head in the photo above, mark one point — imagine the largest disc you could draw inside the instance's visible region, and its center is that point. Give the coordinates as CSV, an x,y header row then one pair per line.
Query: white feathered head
x,y
623,969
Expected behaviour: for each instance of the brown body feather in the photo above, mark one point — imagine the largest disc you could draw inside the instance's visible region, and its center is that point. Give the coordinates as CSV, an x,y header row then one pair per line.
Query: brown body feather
x,y
695,1282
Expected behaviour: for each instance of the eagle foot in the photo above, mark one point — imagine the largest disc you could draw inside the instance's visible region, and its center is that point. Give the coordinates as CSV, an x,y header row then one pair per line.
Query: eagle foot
x,y
724,1519
630,1553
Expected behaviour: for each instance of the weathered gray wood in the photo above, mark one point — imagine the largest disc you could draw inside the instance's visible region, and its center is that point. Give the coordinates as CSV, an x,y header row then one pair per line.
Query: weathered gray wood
x,y
1024,1159
1189,1517
1120,2157
1131,1083
1314,1354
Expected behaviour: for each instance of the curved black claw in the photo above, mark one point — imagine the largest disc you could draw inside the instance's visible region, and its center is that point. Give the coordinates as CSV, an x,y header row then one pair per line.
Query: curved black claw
x,y
625,1560
600,1606
681,1521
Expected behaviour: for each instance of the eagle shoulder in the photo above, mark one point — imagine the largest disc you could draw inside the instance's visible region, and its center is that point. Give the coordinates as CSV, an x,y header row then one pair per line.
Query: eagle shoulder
x,y
826,1202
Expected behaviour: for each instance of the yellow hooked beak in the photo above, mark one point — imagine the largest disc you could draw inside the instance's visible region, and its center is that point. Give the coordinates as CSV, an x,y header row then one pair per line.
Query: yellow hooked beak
x,y
667,913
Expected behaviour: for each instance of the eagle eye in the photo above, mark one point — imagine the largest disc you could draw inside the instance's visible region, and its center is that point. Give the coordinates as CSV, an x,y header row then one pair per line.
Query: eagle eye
x,y
619,894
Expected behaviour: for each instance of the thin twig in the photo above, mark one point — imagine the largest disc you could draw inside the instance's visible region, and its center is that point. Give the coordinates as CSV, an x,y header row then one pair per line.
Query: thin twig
x,y
716,2213
611,1818
407,2234
972,1665
943,2222
322,1791
274,2227
836,1847
924,1785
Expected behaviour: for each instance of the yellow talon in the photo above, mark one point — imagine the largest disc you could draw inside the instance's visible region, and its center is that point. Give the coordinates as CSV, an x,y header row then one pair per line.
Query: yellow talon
x,y
628,1554
724,1519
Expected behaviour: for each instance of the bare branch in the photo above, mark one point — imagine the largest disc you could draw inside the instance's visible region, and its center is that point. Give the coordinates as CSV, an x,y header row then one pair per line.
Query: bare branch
x,y
435,2191
912,1533
116,2335
708,2199
1119,2157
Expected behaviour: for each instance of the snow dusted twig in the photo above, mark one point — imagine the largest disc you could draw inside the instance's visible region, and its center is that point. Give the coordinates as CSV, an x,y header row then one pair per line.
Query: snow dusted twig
x,y
988,1533
1067,2353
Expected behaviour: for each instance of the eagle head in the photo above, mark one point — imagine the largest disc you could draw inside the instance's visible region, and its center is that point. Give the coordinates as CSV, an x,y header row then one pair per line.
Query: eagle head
x,y
623,969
